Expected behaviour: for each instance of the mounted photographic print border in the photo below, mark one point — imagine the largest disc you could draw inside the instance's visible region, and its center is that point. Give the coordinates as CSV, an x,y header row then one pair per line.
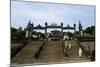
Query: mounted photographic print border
x,y
51,33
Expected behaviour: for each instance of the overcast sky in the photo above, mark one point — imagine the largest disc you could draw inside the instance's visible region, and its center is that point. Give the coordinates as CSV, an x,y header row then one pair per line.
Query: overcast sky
x,y
39,13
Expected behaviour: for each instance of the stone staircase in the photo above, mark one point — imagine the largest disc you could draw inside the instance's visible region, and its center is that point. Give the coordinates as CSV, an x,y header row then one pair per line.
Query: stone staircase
x,y
52,53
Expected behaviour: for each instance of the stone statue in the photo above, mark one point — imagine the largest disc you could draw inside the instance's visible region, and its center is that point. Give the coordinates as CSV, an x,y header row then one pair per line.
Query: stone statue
x,y
80,52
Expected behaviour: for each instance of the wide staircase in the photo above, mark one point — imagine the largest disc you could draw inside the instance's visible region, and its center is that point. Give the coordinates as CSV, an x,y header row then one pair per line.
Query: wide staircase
x,y
52,53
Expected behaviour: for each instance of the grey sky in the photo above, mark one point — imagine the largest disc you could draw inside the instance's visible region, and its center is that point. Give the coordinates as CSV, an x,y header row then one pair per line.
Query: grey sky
x,y
39,13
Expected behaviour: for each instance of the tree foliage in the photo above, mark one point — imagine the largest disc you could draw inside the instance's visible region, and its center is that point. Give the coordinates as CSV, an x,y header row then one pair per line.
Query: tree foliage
x,y
17,33
90,30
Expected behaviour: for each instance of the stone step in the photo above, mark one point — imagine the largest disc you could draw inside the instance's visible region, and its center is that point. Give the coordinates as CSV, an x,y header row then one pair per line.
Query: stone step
x,y
52,52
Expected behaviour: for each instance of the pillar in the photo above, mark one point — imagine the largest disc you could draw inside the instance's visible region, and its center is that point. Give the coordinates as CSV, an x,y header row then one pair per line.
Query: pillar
x,y
46,30
62,29
80,29
29,30
26,35
75,30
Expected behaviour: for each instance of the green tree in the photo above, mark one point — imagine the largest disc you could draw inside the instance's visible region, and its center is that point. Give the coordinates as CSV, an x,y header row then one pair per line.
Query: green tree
x,y
20,34
90,30
13,32
17,33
